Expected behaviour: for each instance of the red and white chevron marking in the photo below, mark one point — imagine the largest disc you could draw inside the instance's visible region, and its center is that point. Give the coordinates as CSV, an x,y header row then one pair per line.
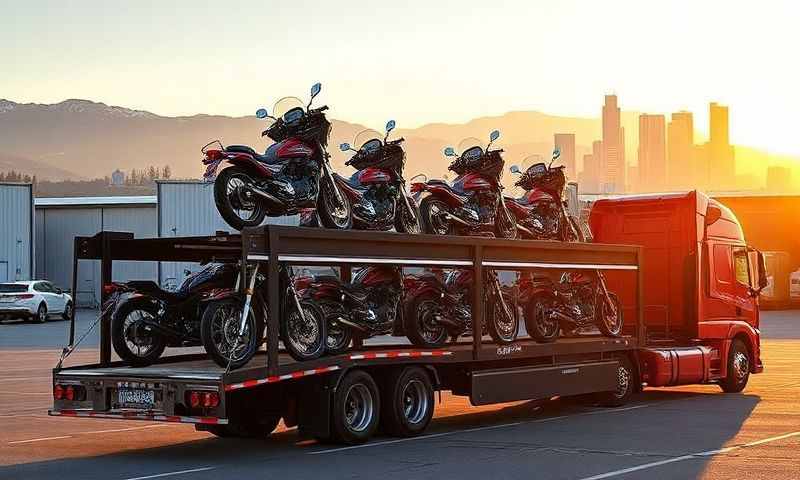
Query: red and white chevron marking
x,y
331,368
138,416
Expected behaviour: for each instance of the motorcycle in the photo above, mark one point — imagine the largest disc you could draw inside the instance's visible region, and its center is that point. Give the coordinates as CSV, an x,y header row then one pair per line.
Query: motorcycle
x,y
574,302
541,212
224,329
473,204
437,309
369,304
294,173
377,189
145,319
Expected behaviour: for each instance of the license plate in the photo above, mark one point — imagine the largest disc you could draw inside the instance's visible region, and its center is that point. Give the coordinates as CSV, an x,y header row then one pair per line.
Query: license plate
x,y
136,398
211,170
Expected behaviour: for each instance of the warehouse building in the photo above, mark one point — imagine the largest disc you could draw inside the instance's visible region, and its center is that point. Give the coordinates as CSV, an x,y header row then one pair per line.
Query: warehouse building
x,y
16,232
59,220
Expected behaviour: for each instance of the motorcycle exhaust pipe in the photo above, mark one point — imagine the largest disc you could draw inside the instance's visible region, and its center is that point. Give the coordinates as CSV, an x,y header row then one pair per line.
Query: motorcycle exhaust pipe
x,y
271,199
351,324
450,216
447,322
525,230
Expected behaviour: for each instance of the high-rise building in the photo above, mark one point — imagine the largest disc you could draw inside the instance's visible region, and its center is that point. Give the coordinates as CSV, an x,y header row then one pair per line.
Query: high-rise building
x,y
591,177
719,152
681,172
613,147
652,171
566,143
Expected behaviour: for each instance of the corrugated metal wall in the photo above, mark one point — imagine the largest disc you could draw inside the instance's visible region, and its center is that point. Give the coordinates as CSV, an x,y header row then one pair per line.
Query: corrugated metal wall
x,y
16,232
187,208
56,227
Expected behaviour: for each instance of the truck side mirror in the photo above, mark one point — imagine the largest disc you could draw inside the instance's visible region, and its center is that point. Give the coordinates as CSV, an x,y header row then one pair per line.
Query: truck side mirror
x,y
762,272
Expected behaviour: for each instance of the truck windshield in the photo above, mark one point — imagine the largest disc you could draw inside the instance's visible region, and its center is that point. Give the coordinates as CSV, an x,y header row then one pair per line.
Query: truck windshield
x,y
12,288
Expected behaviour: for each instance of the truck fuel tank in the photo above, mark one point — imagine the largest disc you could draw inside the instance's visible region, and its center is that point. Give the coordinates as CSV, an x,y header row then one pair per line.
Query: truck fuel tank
x,y
662,367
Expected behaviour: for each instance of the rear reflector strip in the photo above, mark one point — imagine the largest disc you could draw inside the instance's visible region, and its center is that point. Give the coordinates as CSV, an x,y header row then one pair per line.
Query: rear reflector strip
x,y
331,368
139,416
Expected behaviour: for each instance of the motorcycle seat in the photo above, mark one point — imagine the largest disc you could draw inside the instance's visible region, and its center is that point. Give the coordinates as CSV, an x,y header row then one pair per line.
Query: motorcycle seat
x,y
357,292
266,158
152,289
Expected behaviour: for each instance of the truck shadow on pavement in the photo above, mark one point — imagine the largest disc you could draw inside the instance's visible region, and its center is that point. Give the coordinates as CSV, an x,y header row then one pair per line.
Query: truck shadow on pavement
x,y
534,436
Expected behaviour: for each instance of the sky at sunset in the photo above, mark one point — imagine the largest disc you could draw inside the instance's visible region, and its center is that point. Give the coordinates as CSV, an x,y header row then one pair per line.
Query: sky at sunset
x,y
415,61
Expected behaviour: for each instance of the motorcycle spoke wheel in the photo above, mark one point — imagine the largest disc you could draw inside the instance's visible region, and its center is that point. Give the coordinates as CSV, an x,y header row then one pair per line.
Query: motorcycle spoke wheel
x,y
225,333
139,341
244,206
429,329
339,211
302,333
436,212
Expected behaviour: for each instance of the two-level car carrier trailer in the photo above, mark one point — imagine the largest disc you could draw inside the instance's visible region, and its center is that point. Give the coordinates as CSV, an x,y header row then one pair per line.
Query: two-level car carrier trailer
x,y
344,397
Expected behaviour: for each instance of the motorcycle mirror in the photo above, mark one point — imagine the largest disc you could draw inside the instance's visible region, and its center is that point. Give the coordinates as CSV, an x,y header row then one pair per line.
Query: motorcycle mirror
x,y
556,153
262,113
515,169
314,92
494,135
449,152
390,125
344,147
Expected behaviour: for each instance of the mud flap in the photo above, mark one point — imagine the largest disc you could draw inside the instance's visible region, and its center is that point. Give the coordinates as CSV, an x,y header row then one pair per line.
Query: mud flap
x,y
314,403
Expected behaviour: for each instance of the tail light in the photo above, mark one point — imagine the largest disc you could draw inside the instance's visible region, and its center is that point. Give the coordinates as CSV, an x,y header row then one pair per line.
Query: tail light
x,y
23,296
212,156
58,392
72,393
417,187
197,399
110,288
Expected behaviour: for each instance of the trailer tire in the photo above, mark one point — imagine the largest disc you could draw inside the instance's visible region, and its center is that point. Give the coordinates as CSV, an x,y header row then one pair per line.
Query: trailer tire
x,y
626,385
356,408
408,402
738,368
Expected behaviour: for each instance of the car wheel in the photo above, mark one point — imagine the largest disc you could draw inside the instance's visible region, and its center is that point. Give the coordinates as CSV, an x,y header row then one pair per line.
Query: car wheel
x,y
67,311
41,313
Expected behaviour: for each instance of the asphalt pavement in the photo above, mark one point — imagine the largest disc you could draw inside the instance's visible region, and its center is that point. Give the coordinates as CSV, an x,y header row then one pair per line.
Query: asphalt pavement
x,y
686,432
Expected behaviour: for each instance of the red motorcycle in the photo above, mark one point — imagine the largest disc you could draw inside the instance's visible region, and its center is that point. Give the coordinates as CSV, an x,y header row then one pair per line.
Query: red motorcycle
x,y
437,308
294,173
541,212
473,204
377,190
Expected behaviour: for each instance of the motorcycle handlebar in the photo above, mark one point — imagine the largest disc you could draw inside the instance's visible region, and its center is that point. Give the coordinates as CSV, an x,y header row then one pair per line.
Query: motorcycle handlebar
x,y
320,109
264,133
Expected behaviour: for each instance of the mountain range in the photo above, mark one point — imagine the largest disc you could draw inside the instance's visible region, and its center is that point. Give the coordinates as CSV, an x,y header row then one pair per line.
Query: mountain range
x,y
80,139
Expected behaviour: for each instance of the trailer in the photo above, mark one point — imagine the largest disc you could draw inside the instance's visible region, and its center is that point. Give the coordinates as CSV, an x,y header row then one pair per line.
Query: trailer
x,y
344,397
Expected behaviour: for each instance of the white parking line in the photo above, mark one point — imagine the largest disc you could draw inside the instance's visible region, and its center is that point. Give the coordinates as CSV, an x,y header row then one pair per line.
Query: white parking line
x,y
39,439
489,427
709,453
180,472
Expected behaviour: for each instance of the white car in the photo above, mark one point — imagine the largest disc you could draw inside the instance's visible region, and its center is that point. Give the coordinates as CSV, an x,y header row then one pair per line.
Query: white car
x,y
35,300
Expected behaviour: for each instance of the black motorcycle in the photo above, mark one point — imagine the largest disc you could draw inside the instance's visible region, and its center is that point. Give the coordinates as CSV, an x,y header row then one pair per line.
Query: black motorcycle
x,y
146,319
377,190
227,336
473,204
576,301
293,175
367,305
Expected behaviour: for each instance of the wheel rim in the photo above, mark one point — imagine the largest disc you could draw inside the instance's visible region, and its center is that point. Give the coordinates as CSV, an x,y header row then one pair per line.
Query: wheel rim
x,y
545,324
741,365
139,341
339,213
415,402
239,200
623,381
358,408
68,310
302,335
436,212
225,332
507,228
505,325
337,335
611,317
429,328
42,313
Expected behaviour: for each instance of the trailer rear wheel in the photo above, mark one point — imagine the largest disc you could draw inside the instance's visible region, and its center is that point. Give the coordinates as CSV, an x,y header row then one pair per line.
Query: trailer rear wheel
x,y
356,408
738,368
625,385
407,402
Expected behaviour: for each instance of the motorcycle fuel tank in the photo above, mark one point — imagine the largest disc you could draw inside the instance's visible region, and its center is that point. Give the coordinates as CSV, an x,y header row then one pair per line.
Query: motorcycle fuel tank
x,y
537,195
374,175
472,181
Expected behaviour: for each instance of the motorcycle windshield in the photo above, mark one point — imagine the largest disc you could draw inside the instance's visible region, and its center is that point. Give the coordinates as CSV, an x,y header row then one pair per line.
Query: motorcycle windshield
x,y
470,148
289,108
368,140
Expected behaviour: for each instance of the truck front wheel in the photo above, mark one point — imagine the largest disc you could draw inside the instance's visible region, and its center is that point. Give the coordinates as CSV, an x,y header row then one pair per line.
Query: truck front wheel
x,y
356,408
738,368
407,402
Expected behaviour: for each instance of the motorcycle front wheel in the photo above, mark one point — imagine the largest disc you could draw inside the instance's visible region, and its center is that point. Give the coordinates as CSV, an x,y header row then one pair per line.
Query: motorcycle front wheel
x,y
304,336
540,325
422,326
334,210
407,221
219,331
503,319
608,320
237,207
135,342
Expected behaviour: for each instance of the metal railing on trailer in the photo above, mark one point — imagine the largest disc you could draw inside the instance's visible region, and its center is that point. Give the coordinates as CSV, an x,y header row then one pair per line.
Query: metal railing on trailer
x,y
274,244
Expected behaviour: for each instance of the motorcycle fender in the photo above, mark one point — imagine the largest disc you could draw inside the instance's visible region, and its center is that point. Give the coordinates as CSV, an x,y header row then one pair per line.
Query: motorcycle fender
x,y
220,294
352,194
445,195
246,161
127,297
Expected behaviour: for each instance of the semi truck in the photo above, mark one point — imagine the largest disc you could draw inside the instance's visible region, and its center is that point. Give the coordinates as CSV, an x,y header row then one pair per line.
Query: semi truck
x,y
687,280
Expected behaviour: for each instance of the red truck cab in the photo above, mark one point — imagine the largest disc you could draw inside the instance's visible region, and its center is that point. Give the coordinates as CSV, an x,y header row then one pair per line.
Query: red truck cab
x,y
700,287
